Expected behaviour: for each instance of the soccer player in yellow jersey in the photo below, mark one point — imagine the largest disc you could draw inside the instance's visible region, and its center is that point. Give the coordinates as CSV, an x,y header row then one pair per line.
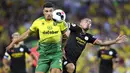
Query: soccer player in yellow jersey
x,y
50,33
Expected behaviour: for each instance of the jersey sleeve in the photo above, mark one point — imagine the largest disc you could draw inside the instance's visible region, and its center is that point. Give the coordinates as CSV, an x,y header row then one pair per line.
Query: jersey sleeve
x,y
91,38
73,27
115,54
63,27
34,26
6,56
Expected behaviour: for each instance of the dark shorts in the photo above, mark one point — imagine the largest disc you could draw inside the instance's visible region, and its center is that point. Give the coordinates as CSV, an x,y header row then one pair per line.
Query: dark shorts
x,y
65,62
18,72
105,69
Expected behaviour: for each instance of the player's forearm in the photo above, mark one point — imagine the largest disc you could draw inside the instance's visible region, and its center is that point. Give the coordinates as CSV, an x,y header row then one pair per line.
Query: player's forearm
x,y
63,50
67,33
5,62
109,42
106,43
23,36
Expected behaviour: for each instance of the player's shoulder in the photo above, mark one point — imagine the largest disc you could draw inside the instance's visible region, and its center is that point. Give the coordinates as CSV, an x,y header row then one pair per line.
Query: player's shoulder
x,y
88,34
112,49
40,19
62,22
23,46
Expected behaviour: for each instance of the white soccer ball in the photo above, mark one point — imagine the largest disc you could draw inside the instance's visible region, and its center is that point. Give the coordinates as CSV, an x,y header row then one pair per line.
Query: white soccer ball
x,y
59,15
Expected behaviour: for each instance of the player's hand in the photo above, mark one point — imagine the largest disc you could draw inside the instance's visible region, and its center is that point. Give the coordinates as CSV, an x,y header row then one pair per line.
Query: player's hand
x,y
6,68
11,44
121,38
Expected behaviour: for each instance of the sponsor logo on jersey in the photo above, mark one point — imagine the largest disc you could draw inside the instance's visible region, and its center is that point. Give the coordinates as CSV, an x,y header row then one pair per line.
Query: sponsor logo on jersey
x,y
106,57
80,41
50,32
17,55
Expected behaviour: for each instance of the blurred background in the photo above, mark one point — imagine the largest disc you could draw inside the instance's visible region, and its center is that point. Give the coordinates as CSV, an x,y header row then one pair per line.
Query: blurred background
x,y
109,19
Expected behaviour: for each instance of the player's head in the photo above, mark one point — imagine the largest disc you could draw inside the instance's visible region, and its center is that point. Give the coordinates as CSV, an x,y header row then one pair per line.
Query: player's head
x,y
15,35
48,8
86,23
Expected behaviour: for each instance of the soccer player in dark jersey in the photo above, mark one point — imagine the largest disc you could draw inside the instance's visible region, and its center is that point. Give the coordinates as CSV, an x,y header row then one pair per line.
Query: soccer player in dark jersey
x,y
76,42
107,57
17,55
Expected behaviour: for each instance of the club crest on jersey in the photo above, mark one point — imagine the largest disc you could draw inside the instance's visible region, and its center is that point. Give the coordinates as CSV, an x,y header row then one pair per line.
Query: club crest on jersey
x,y
86,38
49,27
110,53
21,49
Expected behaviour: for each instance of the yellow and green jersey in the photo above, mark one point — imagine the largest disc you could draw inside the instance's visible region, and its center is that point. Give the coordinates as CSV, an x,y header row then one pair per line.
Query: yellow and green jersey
x,y
49,31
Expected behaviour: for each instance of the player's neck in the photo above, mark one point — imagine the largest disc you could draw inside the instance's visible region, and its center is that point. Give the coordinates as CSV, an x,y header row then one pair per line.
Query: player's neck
x,y
48,19
83,31
16,45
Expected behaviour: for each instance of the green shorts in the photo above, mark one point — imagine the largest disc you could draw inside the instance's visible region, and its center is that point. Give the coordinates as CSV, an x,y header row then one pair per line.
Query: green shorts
x,y
50,57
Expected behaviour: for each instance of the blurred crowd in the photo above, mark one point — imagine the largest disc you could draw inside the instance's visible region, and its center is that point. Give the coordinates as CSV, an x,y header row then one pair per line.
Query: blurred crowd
x,y
109,17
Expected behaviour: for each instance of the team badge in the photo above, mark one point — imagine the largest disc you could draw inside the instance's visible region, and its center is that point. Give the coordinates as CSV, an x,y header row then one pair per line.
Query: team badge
x,y
21,49
110,53
86,38
49,27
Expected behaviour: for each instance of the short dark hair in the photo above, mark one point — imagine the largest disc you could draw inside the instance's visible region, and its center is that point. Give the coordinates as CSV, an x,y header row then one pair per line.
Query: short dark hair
x,y
48,5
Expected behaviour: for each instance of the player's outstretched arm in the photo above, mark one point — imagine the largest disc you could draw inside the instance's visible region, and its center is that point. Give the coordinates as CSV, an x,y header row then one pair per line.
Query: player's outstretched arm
x,y
119,39
21,38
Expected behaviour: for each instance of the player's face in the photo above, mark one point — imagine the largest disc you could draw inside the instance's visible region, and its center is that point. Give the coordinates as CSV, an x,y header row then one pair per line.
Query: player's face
x,y
16,36
48,13
85,23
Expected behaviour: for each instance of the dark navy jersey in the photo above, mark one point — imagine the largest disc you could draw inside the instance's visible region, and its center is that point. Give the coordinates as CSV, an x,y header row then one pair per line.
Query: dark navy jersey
x,y
17,56
106,56
77,42
106,63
